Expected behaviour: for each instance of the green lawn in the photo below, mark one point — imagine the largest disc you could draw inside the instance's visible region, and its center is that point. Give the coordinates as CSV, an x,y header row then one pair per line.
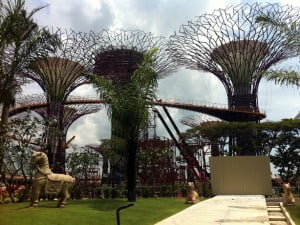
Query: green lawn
x,y
294,211
91,212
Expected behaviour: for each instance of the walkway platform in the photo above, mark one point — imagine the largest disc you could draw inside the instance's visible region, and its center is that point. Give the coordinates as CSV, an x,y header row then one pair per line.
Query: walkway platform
x,y
223,210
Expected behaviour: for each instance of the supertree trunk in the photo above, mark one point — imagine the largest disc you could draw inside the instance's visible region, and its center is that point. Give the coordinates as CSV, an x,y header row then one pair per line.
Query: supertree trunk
x,y
55,116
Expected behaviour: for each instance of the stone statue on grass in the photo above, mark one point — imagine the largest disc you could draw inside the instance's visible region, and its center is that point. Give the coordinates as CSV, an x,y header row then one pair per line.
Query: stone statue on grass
x,y
288,198
192,196
47,182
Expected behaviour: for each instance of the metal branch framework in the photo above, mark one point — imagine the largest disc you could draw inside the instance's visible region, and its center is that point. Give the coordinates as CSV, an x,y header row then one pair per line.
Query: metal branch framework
x,y
117,53
231,45
72,113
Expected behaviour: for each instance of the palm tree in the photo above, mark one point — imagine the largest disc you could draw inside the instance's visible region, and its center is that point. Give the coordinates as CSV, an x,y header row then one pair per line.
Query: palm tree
x,y
21,40
292,32
284,77
130,108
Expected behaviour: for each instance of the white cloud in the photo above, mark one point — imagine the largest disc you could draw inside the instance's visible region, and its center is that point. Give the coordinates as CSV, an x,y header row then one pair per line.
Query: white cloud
x,y
90,129
162,17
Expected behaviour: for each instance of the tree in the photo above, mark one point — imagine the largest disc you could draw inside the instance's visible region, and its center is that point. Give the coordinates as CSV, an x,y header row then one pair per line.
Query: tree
x,y
130,108
291,30
79,165
21,41
21,134
286,150
280,140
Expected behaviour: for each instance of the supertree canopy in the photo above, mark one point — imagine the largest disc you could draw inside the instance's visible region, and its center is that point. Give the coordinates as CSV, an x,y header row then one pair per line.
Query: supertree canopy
x,y
118,53
58,74
230,44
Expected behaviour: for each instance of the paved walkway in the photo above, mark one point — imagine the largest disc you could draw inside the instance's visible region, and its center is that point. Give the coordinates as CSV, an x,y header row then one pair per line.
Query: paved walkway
x,y
223,210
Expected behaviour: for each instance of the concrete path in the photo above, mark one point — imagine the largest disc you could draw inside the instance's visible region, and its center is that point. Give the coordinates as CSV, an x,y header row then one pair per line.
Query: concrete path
x,y
223,210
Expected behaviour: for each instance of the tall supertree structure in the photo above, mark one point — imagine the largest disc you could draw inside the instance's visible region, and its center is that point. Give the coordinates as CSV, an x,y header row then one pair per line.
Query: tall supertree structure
x,y
118,53
58,75
231,45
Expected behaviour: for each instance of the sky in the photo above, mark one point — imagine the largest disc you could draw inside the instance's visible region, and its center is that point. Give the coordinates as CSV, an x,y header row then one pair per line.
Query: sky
x,y
162,18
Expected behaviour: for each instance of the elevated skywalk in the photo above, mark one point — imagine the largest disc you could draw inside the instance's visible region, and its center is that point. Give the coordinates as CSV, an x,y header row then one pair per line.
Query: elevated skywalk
x,y
216,110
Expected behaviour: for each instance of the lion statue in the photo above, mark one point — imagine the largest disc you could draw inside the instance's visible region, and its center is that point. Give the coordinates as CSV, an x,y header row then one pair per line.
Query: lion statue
x,y
47,182
192,196
288,198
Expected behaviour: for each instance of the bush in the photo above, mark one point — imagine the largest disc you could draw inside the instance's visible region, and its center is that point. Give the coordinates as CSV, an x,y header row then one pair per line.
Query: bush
x,y
147,191
107,192
116,193
77,192
8,200
166,191
206,187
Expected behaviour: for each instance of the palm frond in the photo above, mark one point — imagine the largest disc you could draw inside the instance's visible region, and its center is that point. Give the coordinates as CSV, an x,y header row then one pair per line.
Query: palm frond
x,y
283,77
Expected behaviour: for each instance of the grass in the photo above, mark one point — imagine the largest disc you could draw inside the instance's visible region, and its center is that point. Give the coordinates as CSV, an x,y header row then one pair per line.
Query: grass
x,y
91,212
294,212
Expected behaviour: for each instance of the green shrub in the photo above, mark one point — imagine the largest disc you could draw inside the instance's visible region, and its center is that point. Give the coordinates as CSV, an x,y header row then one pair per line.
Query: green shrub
x,y
139,192
99,192
166,191
116,193
148,191
8,200
107,192
207,192
77,193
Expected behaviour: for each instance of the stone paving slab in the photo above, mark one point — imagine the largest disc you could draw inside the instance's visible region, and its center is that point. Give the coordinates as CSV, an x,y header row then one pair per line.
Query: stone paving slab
x,y
223,210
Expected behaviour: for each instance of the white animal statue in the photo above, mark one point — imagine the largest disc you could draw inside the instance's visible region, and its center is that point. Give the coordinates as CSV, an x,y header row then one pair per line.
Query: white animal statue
x,y
192,196
47,182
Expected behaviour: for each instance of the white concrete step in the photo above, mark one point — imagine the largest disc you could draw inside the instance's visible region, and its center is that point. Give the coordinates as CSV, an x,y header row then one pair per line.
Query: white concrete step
x,y
274,209
276,214
277,218
273,204
278,223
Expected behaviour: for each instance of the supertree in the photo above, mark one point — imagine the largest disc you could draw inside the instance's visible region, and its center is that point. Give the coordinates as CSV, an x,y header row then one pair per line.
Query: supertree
x,y
230,44
118,55
58,74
